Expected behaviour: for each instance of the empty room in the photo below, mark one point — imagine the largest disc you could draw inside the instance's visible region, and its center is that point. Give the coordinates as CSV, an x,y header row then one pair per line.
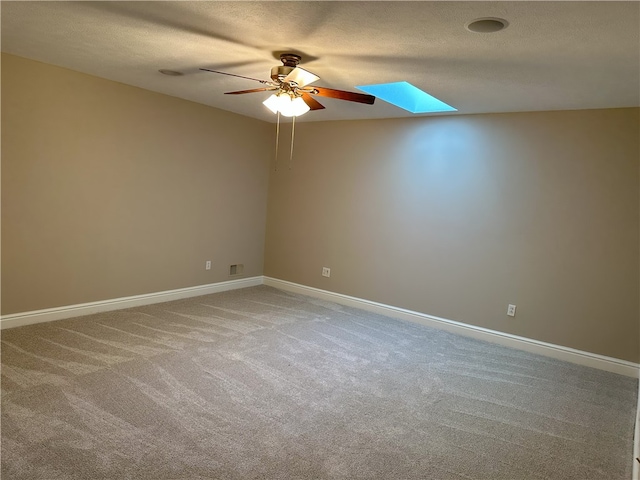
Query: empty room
x,y
320,240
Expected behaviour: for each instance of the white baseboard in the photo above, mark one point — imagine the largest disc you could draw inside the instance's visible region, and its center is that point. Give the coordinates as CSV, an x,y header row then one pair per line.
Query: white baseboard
x,y
58,313
555,351
572,355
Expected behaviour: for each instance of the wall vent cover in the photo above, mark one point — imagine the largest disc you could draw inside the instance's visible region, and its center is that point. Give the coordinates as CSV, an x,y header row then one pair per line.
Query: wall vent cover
x,y
236,269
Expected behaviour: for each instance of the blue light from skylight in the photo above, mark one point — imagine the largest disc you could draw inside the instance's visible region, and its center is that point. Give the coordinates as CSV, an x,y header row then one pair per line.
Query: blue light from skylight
x,y
405,95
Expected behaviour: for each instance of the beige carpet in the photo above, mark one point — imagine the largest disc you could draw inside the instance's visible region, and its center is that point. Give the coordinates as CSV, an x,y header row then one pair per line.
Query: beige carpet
x,y
262,384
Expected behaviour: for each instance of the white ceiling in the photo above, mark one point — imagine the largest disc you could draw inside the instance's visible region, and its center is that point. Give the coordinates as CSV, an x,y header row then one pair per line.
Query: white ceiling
x,y
552,56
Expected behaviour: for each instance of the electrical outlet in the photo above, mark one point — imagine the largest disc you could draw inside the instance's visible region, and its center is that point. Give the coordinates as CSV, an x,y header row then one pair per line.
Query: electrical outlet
x,y
326,272
511,310
207,265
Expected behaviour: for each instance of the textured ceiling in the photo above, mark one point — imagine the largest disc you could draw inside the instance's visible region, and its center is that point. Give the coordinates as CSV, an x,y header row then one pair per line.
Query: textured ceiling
x,y
552,56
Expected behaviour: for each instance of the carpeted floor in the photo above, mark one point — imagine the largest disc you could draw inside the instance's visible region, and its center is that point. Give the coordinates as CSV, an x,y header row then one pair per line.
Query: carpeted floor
x,y
262,384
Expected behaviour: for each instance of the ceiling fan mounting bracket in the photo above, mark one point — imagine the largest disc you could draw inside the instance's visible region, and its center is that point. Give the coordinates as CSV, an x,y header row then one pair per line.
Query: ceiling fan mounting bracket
x,y
290,59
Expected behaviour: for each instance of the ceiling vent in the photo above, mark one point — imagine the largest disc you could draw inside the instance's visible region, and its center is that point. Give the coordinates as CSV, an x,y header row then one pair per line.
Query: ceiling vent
x,y
486,25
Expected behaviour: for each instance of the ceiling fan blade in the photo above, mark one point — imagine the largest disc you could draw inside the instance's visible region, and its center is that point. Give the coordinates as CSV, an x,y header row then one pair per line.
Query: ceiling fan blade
x,y
312,102
265,89
301,77
234,75
343,95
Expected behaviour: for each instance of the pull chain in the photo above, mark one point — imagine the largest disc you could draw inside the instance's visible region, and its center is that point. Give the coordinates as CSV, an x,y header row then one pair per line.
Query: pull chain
x,y
277,138
293,130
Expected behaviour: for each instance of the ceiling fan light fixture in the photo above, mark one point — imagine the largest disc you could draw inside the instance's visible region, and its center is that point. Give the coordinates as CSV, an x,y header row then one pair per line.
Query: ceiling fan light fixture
x,y
284,104
298,107
271,103
287,106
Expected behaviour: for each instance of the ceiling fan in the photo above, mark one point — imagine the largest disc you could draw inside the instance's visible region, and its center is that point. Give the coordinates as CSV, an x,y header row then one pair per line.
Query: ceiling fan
x,y
292,94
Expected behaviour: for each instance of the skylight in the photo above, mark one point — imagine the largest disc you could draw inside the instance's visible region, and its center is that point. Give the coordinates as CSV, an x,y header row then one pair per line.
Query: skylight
x,y
405,95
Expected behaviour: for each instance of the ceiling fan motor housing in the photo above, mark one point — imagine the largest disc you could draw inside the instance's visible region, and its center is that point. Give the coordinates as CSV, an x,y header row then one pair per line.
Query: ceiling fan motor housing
x,y
279,73
289,62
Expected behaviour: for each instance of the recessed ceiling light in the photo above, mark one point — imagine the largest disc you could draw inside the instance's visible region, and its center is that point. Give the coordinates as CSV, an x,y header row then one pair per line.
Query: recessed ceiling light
x,y
486,25
171,73
405,95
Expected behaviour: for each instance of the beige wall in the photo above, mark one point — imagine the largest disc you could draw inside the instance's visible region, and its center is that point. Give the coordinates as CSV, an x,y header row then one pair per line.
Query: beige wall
x,y
109,190
458,216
